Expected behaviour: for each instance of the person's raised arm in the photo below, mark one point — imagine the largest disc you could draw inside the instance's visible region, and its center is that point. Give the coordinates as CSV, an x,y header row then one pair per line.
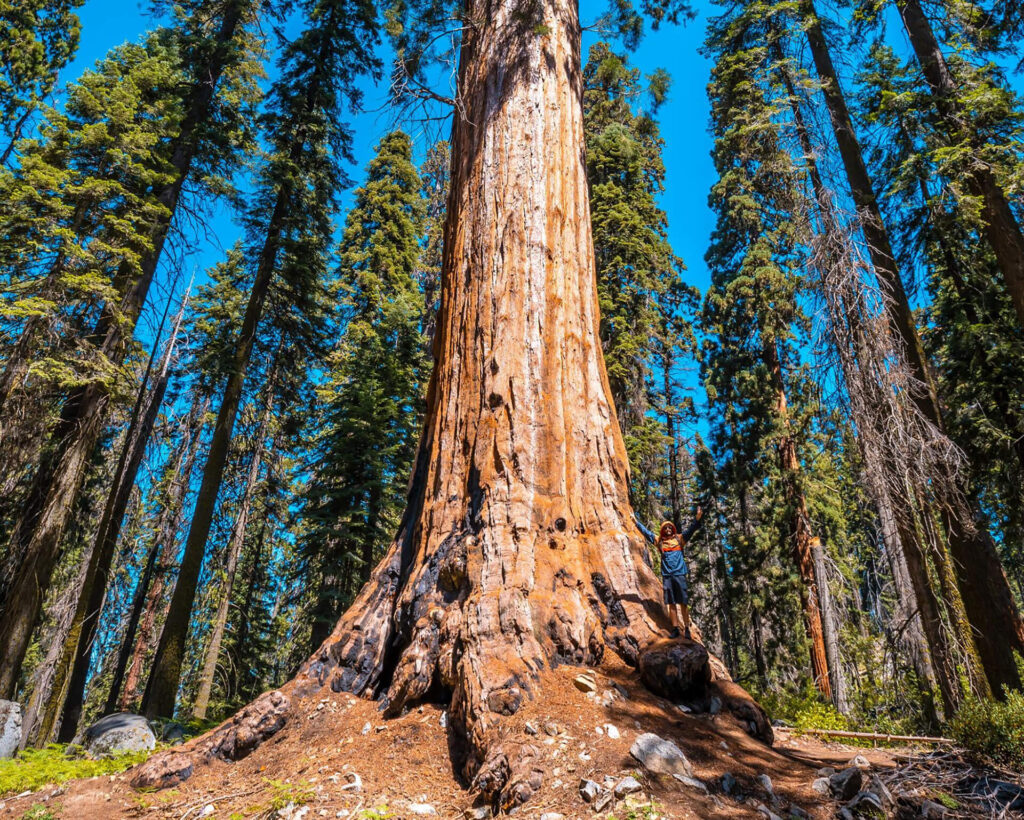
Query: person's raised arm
x,y
698,522
650,536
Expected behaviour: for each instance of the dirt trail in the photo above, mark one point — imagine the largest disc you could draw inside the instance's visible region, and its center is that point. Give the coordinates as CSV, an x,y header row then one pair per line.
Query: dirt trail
x,y
333,739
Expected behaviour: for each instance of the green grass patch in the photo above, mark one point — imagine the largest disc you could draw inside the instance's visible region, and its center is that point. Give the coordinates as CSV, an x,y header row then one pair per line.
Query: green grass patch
x,y
35,768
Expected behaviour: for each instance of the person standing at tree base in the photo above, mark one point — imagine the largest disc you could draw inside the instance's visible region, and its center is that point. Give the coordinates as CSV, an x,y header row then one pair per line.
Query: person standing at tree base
x,y
674,570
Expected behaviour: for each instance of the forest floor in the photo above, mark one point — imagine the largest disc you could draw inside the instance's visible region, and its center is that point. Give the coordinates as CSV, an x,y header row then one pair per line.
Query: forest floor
x,y
341,759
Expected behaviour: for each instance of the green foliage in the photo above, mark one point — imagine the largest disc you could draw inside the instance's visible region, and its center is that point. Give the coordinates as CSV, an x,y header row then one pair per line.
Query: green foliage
x,y
284,793
372,393
993,730
644,302
37,39
34,768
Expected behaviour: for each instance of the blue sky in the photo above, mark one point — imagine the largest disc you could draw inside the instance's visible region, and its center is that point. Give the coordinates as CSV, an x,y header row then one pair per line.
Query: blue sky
x,y
108,23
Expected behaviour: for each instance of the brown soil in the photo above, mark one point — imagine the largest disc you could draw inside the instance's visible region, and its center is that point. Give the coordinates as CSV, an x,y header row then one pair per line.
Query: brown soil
x,y
405,760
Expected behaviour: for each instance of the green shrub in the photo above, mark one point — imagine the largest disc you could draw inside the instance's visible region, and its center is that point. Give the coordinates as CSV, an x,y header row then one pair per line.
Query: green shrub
x,y
993,730
35,768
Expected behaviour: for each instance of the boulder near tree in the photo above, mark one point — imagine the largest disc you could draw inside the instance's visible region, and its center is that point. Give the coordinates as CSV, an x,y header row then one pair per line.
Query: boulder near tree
x,y
517,550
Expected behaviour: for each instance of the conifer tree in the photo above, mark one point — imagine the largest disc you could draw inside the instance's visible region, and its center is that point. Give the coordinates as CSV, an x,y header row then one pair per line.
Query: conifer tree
x,y
639,278
373,391
289,230
38,38
752,315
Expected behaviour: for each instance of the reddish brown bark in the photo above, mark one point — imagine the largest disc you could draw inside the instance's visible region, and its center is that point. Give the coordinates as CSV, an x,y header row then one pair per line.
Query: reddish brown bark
x,y
517,550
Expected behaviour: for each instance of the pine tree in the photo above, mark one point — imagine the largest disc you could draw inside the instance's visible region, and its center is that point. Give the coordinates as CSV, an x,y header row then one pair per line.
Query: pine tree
x,y
752,315
373,391
639,278
38,38
289,229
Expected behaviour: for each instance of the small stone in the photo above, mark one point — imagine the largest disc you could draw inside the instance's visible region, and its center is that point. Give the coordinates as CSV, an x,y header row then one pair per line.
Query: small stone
x,y
826,771
822,786
716,705
551,728
355,783
552,815
479,813
443,720
612,731
845,814
932,811
589,790
766,812
383,727
847,783
860,762
603,801
765,782
207,810
585,683
692,782
422,809
798,813
628,785
367,728
530,729
728,783
659,755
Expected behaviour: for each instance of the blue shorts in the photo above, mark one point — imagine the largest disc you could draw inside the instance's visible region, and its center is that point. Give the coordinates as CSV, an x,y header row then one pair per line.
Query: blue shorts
x,y
675,589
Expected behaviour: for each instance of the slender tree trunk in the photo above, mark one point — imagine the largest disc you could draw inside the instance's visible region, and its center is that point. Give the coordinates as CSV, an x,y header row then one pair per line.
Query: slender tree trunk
x,y
1002,229
802,538
517,549
220,619
830,629
58,479
146,602
80,640
255,575
997,628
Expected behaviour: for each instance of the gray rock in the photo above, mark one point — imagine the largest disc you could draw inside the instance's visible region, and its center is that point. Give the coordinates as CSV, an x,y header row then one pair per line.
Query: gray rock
x,y
10,728
822,786
846,784
603,801
552,815
866,803
117,734
422,809
530,729
551,728
728,783
479,813
826,771
692,782
879,788
932,811
766,812
590,790
628,785
798,813
660,756
845,814
860,762
765,782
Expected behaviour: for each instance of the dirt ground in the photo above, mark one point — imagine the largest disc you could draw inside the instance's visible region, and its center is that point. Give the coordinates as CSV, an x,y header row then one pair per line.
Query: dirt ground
x,y
315,762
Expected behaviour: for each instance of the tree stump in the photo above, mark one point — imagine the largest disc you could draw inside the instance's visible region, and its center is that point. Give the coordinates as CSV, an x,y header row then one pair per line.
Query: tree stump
x,y
679,670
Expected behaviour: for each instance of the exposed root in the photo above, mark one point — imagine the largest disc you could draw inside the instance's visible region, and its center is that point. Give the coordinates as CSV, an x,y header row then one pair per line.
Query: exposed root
x,y
232,740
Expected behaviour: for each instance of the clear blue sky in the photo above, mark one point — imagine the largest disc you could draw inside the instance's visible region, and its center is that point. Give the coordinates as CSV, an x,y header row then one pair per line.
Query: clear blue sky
x,y
108,23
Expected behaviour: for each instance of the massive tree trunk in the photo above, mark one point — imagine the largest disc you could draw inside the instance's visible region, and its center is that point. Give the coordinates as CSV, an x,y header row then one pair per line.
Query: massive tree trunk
x,y
517,549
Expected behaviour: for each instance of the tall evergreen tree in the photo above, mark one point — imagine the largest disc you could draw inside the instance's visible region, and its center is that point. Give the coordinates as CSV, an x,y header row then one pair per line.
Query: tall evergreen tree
x,y
640,286
373,391
38,38
289,231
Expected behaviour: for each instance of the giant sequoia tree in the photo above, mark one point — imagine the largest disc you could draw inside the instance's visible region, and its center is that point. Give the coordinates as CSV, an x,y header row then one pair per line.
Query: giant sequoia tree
x,y
517,550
